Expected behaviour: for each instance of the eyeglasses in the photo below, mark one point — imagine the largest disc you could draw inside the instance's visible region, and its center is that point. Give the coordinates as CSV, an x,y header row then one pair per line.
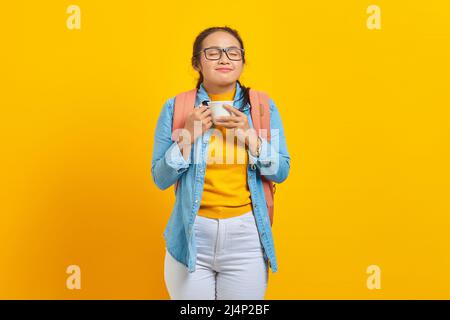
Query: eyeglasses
x,y
215,53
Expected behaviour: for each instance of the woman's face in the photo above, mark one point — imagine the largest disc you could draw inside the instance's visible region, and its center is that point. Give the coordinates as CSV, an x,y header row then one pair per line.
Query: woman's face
x,y
209,67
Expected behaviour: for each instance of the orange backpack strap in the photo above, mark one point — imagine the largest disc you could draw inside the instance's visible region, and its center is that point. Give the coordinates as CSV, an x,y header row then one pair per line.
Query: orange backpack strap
x,y
184,104
260,111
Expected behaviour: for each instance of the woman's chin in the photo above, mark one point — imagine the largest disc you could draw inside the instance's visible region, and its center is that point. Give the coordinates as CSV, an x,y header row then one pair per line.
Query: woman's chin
x,y
225,80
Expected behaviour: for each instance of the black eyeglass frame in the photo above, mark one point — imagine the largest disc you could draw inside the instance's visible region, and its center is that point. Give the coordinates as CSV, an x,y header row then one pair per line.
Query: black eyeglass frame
x,y
221,52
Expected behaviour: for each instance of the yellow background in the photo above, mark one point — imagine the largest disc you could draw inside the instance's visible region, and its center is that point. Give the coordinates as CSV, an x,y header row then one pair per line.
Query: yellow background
x,y
366,113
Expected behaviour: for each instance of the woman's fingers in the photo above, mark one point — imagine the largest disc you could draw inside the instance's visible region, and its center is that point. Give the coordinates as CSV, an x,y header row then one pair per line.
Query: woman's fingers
x,y
206,119
201,109
202,112
205,114
229,125
208,123
232,109
228,119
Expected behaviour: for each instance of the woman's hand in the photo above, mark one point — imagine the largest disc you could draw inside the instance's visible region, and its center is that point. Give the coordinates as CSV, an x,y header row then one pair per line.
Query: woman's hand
x,y
200,117
239,121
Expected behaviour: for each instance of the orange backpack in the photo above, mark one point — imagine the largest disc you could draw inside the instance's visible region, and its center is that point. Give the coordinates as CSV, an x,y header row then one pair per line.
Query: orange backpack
x,y
260,111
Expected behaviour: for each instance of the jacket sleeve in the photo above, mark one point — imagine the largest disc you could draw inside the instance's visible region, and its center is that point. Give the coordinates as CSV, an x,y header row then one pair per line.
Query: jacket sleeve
x,y
274,160
168,163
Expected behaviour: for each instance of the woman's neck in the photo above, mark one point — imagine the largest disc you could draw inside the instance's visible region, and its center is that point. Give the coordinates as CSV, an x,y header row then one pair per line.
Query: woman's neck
x,y
218,89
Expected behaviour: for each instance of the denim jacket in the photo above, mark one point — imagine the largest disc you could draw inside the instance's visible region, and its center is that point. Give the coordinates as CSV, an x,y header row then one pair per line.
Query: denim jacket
x,y
169,165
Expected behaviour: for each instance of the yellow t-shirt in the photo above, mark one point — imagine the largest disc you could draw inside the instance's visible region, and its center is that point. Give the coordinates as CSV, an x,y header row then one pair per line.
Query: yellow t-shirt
x,y
225,193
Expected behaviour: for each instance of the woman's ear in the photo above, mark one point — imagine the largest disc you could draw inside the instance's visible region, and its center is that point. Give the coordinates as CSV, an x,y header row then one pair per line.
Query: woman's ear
x,y
197,68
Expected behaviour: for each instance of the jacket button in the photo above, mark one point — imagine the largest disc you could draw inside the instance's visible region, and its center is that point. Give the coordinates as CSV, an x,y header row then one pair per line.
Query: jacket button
x,y
196,200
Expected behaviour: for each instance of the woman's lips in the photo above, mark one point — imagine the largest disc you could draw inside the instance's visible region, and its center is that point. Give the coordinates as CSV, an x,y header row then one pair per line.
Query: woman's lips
x,y
224,70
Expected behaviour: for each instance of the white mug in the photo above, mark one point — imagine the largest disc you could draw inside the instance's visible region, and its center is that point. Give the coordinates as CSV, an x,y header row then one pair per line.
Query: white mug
x,y
217,109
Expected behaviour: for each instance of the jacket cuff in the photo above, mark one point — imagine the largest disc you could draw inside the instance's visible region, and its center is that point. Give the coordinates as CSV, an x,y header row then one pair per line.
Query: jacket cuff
x,y
266,157
174,158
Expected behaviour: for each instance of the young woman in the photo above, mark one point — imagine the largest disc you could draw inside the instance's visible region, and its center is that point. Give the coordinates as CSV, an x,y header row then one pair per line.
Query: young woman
x,y
218,238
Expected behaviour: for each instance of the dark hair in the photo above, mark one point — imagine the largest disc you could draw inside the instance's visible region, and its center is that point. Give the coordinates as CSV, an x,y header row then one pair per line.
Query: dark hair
x,y
198,46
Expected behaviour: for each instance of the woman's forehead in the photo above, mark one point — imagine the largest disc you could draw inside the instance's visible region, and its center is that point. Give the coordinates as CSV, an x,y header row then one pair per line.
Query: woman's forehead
x,y
220,39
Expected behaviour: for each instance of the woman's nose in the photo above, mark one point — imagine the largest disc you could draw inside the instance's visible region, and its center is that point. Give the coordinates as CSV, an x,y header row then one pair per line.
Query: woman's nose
x,y
224,58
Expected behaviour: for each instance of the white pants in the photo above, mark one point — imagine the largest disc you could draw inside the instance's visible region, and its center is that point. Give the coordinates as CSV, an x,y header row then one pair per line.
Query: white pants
x,y
230,262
